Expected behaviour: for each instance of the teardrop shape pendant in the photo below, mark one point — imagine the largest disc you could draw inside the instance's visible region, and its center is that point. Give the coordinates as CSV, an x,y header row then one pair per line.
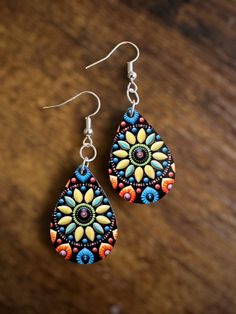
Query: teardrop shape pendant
x,y
83,226
141,167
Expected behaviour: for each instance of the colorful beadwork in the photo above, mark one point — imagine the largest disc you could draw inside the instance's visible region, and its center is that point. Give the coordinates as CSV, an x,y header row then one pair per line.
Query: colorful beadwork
x,y
83,226
141,167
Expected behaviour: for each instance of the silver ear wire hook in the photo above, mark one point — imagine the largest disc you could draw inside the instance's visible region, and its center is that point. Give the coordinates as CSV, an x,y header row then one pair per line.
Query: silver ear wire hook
x,y
132,88
88,131
129,63
76,96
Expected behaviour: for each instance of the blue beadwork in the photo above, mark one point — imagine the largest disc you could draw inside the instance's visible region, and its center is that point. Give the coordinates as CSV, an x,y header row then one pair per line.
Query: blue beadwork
x,y
85,257
149,195
83,177
132,119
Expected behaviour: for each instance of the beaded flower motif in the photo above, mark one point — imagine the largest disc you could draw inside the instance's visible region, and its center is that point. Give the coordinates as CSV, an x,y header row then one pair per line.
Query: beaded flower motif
x,y
83,216
141,166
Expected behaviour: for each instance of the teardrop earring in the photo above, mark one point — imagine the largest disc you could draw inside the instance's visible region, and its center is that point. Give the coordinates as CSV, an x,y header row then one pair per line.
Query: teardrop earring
x,y
83,225
141,167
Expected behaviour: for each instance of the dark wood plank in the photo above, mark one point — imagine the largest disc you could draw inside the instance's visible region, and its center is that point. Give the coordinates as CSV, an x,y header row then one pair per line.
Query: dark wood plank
x,y
174,257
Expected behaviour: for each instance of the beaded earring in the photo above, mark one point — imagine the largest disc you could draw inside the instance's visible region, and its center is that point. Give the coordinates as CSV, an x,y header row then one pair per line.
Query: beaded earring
x,y
141,167
83,226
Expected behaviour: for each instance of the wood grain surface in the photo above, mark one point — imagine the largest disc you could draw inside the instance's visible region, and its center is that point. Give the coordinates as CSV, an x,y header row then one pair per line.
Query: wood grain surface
x,y
178,256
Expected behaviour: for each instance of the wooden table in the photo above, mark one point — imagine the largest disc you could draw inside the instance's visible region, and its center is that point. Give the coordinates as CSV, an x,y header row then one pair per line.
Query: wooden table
x,y
178,256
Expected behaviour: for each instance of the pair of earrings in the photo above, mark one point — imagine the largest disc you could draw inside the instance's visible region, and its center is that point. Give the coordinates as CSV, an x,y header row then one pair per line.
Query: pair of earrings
x,y
141,169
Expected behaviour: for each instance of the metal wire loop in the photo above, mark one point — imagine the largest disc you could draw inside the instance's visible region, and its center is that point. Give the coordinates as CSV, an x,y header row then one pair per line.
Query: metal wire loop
x,y
84,164
134,100
87,141
86,158
132,86
132,95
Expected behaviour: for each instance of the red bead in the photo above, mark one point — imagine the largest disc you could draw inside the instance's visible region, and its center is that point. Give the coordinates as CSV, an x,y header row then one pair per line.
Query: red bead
x,y
59,241
75,250
94,250
110,240
51,225
141,120
157,186
121,185
123,123
73,180
92,180
138,190
109,171
171,174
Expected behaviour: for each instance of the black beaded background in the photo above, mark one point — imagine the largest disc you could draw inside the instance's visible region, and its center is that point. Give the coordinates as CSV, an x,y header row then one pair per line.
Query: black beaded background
x,y
120,182
60,241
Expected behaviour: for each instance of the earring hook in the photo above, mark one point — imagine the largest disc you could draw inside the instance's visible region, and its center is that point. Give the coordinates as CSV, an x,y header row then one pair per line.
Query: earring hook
x,y
88,131
129,63
76,96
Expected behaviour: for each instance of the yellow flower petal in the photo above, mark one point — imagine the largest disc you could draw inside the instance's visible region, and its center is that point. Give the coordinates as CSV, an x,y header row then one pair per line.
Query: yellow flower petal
x,y
65,220
78,196
103,220
160,156
120,153
89,195
79,232
156,146
90,233
130,138
173,167
122,164
141,135
65,209
138,174
149,171
102,209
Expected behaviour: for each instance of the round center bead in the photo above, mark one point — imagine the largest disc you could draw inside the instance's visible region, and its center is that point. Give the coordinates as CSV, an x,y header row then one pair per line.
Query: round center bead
x,y
150,197
140,155
127,196
84,214
63,253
